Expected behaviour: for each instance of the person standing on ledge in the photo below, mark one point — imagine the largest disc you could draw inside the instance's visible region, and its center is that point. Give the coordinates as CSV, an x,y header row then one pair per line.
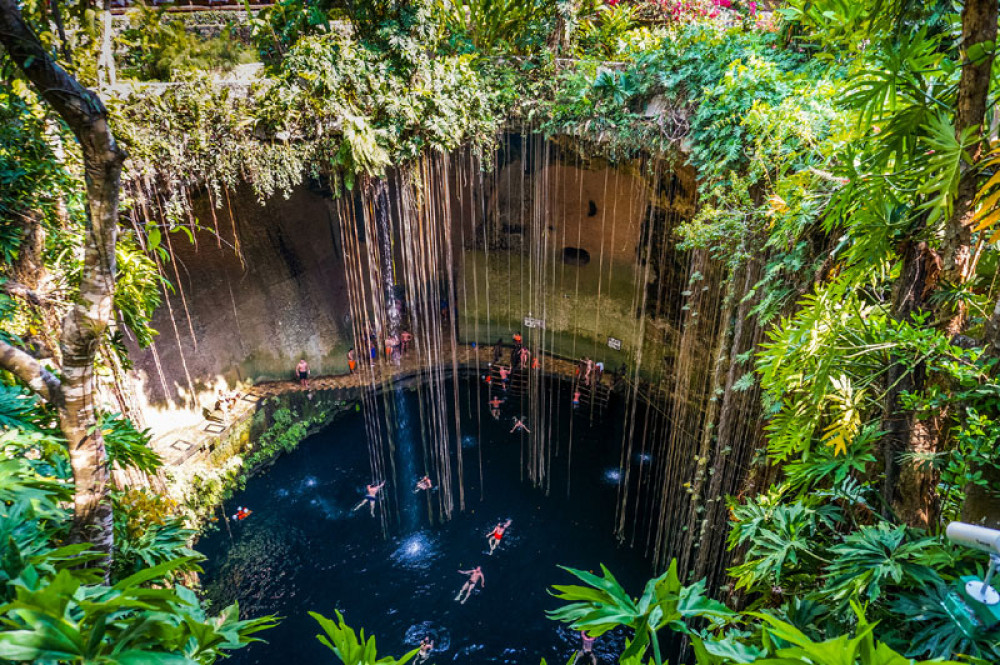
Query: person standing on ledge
x,y
371,496
475,577
351,362
407,338
302,369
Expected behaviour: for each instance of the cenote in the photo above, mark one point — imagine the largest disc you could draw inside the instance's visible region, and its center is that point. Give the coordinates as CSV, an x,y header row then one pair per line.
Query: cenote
x,y
303,549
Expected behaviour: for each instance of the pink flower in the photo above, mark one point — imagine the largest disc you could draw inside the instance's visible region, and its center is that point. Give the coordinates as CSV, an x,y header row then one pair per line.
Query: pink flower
x,y
753,8
723,3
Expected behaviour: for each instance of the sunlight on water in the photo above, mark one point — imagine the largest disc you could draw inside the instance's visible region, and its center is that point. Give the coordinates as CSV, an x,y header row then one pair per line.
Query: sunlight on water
x,y
417,551
469,441
612,476
644,457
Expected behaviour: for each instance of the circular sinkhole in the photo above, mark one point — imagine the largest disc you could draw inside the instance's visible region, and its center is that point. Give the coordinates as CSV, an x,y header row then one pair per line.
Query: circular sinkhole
x,y
303,549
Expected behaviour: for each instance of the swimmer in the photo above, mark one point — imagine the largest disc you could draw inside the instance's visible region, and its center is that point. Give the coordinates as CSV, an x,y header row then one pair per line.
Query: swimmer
x,y
586,652
475,577
371,496
576,399
504,375
524,356
495,407
424,484
426,646
519,424
241,514
496,535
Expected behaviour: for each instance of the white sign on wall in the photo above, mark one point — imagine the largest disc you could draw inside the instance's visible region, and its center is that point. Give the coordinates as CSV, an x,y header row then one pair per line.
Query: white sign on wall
x,y
615,343
530,322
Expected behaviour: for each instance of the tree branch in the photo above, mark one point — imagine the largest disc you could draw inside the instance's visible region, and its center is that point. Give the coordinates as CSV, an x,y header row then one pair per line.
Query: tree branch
x,y
18,290
29,370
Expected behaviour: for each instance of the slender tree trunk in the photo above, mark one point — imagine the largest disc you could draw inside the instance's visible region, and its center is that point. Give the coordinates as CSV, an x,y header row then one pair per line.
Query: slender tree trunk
x,y
909,489
85,324
979,28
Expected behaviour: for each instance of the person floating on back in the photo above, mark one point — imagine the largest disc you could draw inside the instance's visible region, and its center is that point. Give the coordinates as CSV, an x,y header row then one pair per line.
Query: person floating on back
x,y
371,497
475,577
495,407
424,484
519,424
302,369
496,535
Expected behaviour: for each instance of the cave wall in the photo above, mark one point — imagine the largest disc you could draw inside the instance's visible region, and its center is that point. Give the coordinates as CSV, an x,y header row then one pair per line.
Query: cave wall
x,y
247,303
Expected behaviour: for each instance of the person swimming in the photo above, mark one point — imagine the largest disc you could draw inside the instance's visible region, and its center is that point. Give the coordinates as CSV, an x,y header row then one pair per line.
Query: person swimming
x,y
495,407
371,497
496,535
475,577
241,514
576,399
423,484
426,646
586,652
519,424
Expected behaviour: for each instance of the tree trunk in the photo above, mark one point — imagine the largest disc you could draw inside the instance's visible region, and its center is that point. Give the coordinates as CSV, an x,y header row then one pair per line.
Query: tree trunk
x,y
910,485
979,26
85,324
909,489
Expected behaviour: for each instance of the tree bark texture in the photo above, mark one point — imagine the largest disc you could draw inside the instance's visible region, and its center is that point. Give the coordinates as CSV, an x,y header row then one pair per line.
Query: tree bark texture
x,y
84,325
909,489
979,25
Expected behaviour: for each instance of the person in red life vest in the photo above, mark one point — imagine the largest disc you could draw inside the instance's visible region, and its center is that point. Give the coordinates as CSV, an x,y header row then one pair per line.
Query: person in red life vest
x,y
351,362
241,514
496,535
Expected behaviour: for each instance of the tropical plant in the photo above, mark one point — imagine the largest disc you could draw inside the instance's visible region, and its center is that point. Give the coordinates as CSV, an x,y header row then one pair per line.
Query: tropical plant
x,y
603,605
352,648
489,26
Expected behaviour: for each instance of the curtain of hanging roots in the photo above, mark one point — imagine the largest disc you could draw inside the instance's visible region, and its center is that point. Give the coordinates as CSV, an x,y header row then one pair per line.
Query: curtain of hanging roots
x,y
458,244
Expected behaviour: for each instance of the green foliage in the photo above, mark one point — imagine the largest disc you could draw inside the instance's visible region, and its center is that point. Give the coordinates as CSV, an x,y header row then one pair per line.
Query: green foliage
x,y
148,532
875,556
137,290
492,26
158,48
780,541
127,446
351,648
603,605
62,619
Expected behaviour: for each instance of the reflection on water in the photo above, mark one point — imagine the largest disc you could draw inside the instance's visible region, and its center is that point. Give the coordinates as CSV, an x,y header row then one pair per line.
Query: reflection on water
x,y
612,476
303,549
416,551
